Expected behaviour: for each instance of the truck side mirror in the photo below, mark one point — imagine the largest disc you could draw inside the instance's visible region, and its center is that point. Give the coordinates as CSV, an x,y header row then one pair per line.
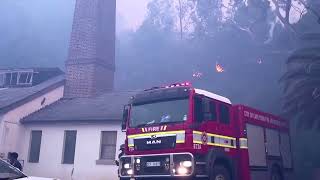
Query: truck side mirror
x,y
116,162
124,118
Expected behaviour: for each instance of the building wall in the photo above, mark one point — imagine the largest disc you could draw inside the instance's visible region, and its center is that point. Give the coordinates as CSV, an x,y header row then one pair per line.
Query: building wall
x,y
87,151
11,131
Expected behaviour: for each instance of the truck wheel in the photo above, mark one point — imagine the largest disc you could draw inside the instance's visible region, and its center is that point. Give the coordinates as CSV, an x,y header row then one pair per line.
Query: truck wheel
x,y
276,174
220,173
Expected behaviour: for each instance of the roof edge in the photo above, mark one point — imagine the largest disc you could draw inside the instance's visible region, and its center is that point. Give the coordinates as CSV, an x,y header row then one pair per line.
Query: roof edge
x,y
213,95
32,96
66,121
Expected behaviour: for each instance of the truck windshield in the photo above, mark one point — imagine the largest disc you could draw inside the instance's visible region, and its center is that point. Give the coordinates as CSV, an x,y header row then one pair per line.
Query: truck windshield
x,y
162,112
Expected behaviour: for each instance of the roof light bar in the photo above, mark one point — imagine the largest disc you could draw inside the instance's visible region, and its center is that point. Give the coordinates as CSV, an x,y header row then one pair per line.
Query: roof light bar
x,y
185,84
179,85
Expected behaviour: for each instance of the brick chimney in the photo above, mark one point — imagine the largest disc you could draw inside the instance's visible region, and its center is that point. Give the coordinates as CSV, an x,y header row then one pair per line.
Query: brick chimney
x,y
90,65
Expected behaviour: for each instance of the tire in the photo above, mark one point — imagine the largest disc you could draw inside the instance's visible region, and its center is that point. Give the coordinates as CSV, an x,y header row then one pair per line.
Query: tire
x,y
219,172
276,174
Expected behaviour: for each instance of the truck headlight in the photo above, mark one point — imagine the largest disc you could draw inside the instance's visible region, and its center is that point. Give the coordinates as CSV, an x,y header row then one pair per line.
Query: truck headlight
x,y
126,166
130,172
183,164
182,170
138,161
186,164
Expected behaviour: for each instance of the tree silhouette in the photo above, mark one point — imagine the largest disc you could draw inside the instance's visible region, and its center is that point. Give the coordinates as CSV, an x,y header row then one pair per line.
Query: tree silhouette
x,y
302,83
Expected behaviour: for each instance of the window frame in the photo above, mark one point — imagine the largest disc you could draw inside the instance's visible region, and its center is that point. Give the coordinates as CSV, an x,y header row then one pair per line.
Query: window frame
x,y
195,108
207,110
8,79
29,77
101,161
30,160
2,79
210,102
14,78
63,161
221,104
115,145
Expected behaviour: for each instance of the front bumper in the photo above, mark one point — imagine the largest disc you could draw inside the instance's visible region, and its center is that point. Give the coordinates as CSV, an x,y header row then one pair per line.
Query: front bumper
x,y
157,165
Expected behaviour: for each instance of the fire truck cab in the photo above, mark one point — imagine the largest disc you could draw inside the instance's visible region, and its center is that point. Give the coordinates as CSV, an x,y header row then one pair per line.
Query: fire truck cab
x,y
178,131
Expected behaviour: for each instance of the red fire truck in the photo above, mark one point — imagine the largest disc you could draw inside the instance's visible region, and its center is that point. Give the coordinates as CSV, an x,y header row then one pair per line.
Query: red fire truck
x,y
181,132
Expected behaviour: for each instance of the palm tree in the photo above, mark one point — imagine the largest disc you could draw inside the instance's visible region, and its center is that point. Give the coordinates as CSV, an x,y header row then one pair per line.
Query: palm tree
x,y
302,83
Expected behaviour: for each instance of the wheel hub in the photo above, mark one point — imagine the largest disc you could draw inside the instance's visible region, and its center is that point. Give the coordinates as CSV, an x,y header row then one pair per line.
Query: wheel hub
x,y
219,177
275,177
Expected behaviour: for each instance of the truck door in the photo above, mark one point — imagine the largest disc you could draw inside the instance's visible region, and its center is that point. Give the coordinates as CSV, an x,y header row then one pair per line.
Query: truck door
x,y
214,118
210,122
206,118
225,119
256,146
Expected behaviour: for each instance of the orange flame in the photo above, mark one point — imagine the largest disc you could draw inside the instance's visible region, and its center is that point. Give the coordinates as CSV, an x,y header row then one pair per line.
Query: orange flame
x,y
219,68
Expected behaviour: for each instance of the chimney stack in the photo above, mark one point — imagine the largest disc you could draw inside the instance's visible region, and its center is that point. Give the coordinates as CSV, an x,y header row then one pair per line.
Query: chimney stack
x,y
90,65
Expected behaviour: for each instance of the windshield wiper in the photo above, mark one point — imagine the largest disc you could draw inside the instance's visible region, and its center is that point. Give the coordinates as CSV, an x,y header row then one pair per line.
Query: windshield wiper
x,y
169,122
142,125
160,123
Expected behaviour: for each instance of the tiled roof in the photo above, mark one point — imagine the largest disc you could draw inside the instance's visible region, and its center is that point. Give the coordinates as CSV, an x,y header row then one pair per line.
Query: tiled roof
x,y
13,97
107,106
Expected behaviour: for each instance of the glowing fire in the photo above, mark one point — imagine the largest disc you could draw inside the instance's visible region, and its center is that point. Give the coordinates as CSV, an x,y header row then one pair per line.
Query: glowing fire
x,y
219,68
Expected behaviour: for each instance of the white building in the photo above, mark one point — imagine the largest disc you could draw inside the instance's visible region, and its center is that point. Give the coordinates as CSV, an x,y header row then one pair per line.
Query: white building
x,y
57,136
22,92
75,139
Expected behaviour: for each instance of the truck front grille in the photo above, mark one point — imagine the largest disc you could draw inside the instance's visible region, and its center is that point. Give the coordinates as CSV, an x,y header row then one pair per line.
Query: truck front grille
x,y
167,142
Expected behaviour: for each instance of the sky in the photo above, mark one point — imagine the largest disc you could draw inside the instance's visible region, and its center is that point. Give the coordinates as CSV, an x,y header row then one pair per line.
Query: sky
x,y
133,12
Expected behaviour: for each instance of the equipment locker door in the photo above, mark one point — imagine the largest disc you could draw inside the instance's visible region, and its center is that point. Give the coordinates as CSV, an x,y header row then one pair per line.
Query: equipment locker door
x,y
256,146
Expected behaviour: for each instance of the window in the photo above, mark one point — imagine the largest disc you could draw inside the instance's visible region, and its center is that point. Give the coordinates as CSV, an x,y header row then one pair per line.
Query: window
x,y
198,110
205,109
69,147
209,109
2,79
168,111
29,78
14,78
108,145
224,114
35,144
8,78
25,78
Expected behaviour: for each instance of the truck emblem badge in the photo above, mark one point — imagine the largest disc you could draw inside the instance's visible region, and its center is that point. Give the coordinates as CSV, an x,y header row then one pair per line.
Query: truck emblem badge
x,y
204,138
153,142
153,136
